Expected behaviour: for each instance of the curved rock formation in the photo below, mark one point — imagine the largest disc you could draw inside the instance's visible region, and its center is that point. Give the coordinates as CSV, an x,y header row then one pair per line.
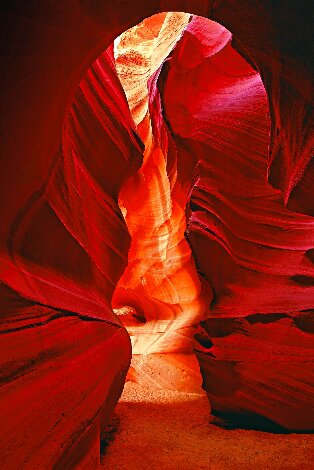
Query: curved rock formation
x,y
251,249
172,185
160,284
64,354
246,244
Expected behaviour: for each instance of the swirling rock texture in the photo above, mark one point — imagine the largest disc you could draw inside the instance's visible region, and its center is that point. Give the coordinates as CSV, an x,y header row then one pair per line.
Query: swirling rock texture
x,y
251,249
159,296
191,178
64,353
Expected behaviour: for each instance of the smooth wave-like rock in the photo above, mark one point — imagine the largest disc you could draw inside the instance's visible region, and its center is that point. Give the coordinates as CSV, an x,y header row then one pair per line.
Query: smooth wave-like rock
x,y
246,243
64,354
160,282
221,129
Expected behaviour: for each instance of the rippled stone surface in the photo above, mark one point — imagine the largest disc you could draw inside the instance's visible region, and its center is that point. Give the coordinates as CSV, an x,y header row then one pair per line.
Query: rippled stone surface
x,y
186,199
160,283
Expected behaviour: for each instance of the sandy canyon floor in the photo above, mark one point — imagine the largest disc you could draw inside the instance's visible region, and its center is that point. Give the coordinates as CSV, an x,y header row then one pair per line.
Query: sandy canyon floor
x,y
167,430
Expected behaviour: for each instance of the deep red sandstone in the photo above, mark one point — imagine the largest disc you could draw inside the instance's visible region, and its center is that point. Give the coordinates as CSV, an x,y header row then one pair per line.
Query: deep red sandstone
x,y
64,242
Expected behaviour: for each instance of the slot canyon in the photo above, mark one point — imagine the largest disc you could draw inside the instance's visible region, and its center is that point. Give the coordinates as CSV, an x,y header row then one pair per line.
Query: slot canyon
x,y
157,234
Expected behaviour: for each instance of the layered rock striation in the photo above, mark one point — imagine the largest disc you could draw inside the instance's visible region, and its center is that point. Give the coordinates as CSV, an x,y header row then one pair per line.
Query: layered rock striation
x,y
165,185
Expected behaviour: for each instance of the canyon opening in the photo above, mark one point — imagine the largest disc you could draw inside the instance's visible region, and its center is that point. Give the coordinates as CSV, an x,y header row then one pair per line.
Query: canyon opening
x,y
159,241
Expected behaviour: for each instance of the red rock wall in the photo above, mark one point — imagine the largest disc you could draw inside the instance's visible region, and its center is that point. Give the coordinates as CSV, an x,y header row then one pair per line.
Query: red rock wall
x,y
64,354
64,242
255,345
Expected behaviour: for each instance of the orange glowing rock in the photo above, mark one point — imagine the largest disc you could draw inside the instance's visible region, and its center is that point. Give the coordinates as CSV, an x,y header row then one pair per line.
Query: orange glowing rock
x,y
167,181
160,281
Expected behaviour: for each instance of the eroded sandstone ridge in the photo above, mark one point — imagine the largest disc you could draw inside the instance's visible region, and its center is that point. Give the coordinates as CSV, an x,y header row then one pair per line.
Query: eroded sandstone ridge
x,y
160,285
169,178
209,154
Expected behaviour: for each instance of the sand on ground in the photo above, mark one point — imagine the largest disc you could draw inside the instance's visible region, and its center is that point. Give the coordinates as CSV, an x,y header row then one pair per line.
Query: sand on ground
x,y
167,430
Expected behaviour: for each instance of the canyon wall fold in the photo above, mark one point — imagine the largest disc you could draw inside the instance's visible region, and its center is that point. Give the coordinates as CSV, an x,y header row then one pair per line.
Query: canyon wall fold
x,y
167,176
256,339
64,354
159,297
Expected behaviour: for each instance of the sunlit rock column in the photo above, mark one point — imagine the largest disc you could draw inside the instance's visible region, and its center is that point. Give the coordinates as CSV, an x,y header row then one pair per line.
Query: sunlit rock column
x,y
159,297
